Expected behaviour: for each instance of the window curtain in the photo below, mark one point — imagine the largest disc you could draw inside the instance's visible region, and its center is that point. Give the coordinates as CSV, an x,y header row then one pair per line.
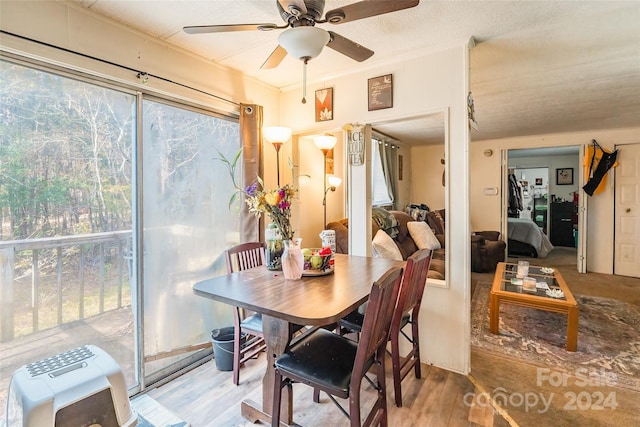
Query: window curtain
x,y
251,141
389,160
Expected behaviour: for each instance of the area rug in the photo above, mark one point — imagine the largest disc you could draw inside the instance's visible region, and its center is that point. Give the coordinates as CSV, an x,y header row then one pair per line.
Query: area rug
x,y
153,414
608,336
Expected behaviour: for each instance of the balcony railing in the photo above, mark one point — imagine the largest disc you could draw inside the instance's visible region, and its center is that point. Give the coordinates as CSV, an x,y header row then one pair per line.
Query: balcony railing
x,y
51,281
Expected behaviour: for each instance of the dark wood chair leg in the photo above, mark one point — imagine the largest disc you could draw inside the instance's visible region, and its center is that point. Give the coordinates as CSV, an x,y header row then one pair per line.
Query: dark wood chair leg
x,y
354,405
382,389
416,346
237,333
396,367
316,395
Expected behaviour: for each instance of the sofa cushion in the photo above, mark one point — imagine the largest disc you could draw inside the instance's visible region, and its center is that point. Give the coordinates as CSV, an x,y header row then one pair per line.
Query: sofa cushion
x,y
422,235
385,247
436,220
342,235
384,220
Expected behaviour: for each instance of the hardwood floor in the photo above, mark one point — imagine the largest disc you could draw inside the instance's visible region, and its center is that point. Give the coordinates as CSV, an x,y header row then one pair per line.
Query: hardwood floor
x,y
207,397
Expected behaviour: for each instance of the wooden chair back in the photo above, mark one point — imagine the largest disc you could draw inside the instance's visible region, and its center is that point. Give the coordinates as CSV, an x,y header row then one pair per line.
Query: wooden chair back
x,y
377,320
244,256
413,283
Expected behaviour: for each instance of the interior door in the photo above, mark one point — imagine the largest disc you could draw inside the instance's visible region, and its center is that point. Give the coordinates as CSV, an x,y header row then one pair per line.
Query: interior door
x,y
627,212
582,217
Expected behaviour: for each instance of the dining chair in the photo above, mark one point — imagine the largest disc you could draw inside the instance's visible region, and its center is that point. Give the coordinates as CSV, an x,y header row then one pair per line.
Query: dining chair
x,y
248,338
407,311
336,365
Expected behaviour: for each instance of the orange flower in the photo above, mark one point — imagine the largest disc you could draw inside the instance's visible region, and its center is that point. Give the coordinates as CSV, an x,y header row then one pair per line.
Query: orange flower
x,y
272,198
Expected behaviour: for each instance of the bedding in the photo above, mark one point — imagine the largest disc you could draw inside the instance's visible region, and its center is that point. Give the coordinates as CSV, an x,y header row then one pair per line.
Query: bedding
x,y
526,231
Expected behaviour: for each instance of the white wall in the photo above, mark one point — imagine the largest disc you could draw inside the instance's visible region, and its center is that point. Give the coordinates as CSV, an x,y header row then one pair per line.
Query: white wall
x,y
433,83
486,212
427,175
553,163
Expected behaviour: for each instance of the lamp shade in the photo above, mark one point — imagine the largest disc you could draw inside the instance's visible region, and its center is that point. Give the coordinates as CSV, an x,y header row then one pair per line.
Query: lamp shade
x,y
325,142
276,133
304,42
334,181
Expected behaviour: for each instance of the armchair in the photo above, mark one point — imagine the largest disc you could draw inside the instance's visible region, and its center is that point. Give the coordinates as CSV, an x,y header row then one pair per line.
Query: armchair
x,y
487,250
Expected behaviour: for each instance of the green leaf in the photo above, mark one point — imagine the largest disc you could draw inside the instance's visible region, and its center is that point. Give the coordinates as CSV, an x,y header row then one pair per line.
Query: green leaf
x,y
235,159
232,199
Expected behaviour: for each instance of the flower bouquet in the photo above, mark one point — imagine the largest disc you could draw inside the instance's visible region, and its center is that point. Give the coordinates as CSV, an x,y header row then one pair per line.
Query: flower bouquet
x,y
276,204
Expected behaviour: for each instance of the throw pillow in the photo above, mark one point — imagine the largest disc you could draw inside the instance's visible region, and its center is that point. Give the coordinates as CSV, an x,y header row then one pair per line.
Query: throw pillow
x,y
436,221
423,236
385,247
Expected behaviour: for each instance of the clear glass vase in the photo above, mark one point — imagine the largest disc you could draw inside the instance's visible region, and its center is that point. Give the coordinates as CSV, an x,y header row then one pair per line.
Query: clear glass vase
x,y
292,259
274,248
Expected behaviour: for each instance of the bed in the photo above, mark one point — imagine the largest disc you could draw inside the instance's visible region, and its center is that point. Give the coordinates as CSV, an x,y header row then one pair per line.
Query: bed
x,y
526,238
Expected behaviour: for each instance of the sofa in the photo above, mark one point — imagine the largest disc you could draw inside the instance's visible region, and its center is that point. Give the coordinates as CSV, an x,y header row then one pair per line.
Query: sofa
x,y
486,248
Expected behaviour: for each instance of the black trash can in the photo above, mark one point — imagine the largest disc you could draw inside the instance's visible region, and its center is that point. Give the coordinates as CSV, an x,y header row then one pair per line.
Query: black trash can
x,y
223,348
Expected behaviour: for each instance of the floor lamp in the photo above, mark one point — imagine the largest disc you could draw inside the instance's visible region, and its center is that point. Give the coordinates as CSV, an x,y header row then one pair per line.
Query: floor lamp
x,y
325,143
277,135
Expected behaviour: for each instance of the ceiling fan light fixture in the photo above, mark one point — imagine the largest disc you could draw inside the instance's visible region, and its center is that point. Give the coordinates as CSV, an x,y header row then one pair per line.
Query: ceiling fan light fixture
x,y
304,42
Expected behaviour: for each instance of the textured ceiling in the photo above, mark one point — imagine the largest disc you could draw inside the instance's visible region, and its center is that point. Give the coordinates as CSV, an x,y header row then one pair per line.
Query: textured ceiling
x,y
538,66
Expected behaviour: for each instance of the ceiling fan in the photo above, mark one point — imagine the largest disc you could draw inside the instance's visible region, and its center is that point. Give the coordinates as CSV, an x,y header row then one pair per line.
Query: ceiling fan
x,y
302,39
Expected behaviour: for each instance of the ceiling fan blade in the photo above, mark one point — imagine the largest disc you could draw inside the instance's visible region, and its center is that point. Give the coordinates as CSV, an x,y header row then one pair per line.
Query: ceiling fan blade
x,y
348,47
275,58
291,6
203,29
366,9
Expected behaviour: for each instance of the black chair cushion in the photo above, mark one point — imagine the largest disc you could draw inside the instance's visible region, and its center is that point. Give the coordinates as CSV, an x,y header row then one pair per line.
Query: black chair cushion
x,y
352,321
323,358
252,323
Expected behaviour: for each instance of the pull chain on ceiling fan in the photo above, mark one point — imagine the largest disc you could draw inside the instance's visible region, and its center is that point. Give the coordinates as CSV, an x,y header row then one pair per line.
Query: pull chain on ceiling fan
x,y
302,39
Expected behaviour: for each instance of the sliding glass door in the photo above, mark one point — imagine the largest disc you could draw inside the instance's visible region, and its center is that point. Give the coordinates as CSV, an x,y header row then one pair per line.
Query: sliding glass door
x,y
186,225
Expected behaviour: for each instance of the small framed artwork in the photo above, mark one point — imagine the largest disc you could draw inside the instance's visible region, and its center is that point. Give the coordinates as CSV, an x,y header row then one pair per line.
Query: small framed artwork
x,y
380,92
324,104
400,166
564,176
538,181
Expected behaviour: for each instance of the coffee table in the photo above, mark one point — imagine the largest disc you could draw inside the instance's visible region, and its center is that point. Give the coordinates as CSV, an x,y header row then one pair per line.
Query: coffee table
x,y
503,290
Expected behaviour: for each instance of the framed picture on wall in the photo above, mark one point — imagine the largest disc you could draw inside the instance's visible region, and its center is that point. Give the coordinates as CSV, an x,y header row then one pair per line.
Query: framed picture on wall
x,y
380,92
324,104
564,176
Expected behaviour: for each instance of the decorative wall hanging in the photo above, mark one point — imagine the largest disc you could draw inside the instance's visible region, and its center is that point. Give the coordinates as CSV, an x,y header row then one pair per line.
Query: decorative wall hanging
x,y
564,176
471,112
324,104
355,144
380,92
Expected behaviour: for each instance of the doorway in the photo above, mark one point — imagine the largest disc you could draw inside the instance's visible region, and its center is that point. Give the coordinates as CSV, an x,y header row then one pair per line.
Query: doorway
x,y
545,224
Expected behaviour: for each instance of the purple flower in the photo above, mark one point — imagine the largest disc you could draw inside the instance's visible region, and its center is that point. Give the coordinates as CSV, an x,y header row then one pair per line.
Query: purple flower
x,y
252,189
282,193
284,205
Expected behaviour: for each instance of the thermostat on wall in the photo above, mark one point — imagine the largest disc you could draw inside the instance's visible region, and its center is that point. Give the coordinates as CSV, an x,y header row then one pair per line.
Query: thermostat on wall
x,y
490,191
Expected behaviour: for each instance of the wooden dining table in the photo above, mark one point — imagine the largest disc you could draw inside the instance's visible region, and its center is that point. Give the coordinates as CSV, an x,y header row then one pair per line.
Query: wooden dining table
x,y
314,301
